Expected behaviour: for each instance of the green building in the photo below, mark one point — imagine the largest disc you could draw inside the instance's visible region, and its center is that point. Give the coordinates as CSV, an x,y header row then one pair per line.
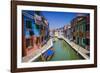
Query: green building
x,y
80,31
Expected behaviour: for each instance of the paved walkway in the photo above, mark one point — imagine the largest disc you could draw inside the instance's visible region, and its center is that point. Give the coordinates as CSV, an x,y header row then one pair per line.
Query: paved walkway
x,y
37,52
82,51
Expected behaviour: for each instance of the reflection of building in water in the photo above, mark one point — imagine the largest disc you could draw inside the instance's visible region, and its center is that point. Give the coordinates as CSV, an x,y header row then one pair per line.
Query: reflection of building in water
x,y
35,31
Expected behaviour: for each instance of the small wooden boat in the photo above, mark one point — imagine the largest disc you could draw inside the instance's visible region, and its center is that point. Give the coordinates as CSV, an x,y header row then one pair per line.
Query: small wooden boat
x,y
48,54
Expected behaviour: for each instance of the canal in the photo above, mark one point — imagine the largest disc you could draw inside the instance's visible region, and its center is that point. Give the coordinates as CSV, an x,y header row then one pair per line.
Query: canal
x,y
63,51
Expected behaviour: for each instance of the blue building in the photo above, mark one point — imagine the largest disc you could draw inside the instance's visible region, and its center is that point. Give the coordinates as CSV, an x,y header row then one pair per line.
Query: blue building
x,y
35,30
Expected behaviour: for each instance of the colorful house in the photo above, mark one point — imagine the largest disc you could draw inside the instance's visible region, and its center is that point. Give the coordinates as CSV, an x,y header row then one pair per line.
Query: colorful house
x,y
35,31
81,31
27,23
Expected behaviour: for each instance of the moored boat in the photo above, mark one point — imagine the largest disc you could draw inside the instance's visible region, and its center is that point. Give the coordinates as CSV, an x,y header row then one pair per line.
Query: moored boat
x,y
48,54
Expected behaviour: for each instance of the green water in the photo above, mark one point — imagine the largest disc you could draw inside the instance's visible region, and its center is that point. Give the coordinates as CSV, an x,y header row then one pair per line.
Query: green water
x,y
63,51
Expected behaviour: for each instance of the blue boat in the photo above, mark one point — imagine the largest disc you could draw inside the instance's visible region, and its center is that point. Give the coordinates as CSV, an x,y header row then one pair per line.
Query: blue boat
x,y
48,54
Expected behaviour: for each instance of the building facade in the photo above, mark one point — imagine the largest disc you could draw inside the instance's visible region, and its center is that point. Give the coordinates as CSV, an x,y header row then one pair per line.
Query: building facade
x,y
35,31
68,32
81,32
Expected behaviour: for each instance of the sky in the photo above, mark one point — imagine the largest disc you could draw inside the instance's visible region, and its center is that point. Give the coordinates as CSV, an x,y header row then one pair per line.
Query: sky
x,y
58,19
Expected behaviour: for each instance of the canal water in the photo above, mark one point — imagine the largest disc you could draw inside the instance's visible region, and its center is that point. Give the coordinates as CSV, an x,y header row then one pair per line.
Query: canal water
x,y
63,51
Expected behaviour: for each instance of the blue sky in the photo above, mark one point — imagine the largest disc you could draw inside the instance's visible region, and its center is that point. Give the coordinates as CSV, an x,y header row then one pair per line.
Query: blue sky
x,y
58,19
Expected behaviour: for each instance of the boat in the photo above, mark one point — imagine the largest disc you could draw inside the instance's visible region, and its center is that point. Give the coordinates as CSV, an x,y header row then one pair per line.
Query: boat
x,y
47,56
